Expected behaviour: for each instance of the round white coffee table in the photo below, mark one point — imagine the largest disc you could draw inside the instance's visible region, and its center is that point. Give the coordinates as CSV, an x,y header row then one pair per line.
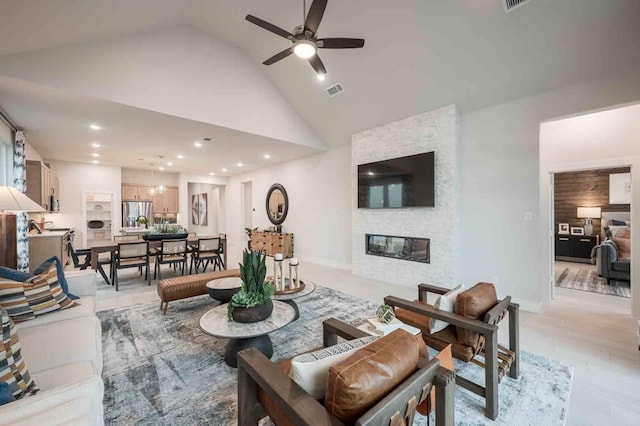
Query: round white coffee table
x,y
215,322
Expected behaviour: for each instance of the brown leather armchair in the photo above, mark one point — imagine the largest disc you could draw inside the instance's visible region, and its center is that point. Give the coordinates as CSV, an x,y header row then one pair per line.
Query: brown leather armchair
x,y
472,333
264,388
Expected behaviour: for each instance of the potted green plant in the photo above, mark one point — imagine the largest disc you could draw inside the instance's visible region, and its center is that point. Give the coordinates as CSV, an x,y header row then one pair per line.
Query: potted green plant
x,y
253,302
249,231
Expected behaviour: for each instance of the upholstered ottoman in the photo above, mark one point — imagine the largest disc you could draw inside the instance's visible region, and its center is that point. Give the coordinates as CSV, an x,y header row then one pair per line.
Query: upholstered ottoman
x,y
189,286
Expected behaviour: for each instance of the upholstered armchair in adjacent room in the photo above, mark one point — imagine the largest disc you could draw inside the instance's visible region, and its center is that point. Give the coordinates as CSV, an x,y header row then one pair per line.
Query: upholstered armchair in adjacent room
x,y
472,332
609,264
265,389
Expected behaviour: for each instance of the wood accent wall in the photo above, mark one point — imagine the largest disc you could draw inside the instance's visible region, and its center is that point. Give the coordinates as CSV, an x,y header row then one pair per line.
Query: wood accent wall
x,y
584,189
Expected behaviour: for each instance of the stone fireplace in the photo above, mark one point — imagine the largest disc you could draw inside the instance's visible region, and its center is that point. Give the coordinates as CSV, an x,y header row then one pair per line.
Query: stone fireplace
x,y
380,237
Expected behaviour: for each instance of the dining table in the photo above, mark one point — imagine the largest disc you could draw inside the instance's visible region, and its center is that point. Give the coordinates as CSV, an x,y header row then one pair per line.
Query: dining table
x,y
112,247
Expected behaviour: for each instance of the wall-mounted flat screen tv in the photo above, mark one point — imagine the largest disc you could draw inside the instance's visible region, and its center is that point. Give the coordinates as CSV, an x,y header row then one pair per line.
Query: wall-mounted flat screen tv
x,y
397,183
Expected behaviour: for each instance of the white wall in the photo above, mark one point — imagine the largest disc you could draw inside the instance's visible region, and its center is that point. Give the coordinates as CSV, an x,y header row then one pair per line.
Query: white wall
x,y
213,208
436,131
500,175
5,132
319,205
602,139
143,177
201,78
74,178
184,217
30,153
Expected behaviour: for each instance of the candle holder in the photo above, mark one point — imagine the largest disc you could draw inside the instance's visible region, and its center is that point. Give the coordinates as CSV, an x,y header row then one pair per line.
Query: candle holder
x,y
278,271
294,277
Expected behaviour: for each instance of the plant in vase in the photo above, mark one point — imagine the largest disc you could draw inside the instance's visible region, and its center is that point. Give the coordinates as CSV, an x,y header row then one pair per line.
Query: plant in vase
x,y
253,302
249,231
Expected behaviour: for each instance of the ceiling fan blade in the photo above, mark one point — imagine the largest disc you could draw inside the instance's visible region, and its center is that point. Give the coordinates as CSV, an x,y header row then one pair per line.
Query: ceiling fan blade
x,y
270,27
317,64
278,56
314,17
340,43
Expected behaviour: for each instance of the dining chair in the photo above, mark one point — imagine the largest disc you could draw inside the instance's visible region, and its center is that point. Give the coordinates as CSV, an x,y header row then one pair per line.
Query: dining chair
x,y
207,251
131,255
84,263
171,252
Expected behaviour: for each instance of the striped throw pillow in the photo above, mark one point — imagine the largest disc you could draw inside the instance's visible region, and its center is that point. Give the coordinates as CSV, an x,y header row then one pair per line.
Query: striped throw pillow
x,y
37,296
13,370
311,370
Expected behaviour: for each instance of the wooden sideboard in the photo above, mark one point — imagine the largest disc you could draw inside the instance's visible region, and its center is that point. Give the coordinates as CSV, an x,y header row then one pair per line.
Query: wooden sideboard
x,y
272,243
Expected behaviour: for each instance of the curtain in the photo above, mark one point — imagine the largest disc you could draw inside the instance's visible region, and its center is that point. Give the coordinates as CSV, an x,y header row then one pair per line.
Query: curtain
x,y
20,182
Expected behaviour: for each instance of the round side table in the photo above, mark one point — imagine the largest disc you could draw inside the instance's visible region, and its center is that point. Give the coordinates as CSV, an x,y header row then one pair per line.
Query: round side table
x,y
215,322
309,288
223,289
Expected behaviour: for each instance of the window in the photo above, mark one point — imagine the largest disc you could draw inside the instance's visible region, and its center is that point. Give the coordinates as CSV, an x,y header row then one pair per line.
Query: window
x,y
6,163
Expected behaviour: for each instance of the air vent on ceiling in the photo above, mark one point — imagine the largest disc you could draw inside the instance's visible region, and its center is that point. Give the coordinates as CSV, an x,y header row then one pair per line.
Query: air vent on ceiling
x,y
334,90
509,5
207,139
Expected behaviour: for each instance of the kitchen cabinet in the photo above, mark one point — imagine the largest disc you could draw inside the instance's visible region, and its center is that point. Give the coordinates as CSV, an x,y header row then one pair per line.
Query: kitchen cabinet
x,y
42,183
166,202
136,193
48,244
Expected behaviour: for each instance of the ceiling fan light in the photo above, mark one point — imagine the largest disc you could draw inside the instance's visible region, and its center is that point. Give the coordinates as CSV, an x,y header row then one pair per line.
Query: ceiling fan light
x,y
304,49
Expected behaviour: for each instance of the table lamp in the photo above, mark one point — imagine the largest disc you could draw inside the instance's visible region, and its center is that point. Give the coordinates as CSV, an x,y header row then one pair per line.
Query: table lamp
x,y
12,200
589,213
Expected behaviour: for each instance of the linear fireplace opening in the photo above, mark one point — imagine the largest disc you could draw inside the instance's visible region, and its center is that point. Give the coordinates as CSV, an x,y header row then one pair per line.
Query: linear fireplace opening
x,y
405,248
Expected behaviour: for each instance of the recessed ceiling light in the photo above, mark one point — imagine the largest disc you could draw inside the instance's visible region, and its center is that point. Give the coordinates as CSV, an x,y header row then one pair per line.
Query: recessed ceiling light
x,y
211,174
169,163
95,145
370,173
239,164
322,77
95,154
224,170
94,126
267,156
95,162
161,168
180,156
197,144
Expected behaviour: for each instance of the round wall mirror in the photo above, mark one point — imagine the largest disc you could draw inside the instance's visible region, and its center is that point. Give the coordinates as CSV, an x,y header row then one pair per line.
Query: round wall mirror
x,y
277,204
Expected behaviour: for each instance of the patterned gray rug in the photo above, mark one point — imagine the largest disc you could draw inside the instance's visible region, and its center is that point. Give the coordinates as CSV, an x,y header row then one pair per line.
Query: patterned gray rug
x,y
164,370
587,280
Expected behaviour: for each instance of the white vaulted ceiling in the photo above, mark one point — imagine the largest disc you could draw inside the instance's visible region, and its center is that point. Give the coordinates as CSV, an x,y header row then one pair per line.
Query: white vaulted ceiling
x,y
172,57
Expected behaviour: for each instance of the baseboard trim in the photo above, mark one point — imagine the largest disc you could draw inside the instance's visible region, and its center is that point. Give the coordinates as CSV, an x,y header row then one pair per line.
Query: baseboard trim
x,y
529,306
325,262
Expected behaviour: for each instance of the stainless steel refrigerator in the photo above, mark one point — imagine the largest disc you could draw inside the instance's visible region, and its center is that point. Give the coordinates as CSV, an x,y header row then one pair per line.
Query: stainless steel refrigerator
x,y
132,210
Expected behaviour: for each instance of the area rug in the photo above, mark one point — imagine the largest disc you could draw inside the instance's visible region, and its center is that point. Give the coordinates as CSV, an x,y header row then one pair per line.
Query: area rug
x,y
586,280
164,370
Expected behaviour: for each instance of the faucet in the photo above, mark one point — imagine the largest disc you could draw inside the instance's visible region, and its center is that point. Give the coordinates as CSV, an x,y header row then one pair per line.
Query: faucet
x,y
144,219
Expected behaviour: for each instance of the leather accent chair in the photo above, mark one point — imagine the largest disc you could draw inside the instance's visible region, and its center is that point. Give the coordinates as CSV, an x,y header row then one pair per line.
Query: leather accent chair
x,y
472,333
264,388
609,265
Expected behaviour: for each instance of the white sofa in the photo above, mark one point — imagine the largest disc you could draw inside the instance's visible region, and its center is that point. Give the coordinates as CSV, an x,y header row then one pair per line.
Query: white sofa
x,y
63,352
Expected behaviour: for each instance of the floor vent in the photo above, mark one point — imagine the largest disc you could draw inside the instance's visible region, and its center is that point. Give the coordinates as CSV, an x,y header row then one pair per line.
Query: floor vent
x,y
509,5
334,90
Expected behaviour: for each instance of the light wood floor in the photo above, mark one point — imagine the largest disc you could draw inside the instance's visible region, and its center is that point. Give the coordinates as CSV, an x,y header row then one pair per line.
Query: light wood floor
x,y
593,333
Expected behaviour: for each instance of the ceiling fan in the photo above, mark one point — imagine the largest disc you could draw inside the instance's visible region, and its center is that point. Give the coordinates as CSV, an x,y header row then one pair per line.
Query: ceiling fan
x,y
305,43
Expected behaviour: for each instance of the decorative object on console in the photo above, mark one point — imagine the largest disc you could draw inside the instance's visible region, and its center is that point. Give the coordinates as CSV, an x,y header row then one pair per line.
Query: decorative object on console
x,y
589,213
577,230
563,229
277,204
253,302
12,200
